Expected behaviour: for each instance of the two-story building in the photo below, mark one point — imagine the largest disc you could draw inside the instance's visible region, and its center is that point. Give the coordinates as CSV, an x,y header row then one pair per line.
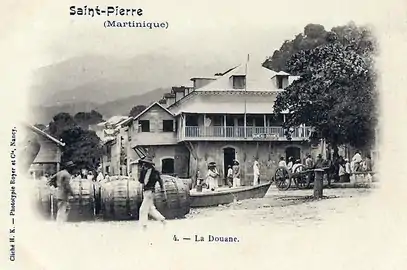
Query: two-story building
x,y
113,134
221,118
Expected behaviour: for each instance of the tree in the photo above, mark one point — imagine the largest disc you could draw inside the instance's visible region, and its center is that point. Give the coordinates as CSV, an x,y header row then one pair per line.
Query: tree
x,y
60,123
85,119
136,110
82,147
315,35
336,91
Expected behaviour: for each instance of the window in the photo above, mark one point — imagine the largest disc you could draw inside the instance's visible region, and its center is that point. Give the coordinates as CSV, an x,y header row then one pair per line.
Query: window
x,y
144,125
168,126
279,82
109,152
167,166
239,82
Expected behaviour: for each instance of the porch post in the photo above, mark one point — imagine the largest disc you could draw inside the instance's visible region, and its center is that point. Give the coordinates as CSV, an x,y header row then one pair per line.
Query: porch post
x,y
265,124
183,116
224,124
203,125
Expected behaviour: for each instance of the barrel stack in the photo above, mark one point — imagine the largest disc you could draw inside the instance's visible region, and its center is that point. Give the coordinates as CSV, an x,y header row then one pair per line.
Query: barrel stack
x,y
177,204
121,198
82,204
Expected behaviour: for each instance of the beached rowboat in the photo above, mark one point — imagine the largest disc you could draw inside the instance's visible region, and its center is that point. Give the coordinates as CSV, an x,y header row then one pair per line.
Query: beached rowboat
x,y
227,195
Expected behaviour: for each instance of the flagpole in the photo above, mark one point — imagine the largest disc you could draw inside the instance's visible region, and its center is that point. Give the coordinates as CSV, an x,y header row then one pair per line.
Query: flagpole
x,y
245,103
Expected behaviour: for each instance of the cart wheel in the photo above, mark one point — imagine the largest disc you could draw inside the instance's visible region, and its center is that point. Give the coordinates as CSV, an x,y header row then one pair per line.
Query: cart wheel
x,y
301,180
282,178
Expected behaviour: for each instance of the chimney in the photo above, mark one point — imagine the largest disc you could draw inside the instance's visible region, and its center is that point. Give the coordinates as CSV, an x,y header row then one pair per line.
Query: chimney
x,y
179,92
201,82
170,98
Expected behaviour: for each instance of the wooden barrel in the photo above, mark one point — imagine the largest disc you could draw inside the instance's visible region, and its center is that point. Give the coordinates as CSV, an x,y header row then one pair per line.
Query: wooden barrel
x,y
43,200
82,204
178,203
121,199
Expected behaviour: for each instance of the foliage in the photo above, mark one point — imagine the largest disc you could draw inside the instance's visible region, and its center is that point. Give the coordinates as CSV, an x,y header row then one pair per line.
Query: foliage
x,y
60,123
315,35
336,91
136,110
85,119
82,146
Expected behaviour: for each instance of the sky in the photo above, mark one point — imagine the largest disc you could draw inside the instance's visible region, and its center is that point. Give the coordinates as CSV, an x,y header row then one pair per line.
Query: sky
x,y
200,29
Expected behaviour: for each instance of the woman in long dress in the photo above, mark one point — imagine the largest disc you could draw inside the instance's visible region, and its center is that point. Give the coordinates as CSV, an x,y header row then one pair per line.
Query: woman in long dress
x,y
212,176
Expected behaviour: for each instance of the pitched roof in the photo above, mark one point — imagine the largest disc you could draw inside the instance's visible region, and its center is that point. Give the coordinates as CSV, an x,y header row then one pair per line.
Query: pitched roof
x,y
258,78
46,135
149,107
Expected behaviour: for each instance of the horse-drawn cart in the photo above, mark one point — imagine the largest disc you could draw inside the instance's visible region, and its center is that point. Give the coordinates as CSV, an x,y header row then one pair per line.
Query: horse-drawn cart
x,y
301,176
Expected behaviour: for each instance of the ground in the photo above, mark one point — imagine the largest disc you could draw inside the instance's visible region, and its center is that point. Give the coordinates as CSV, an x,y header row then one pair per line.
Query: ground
x,y
281,231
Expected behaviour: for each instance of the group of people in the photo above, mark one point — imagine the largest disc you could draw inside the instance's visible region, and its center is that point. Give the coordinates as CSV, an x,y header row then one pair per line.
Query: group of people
x,y
232,176
339,169
148,178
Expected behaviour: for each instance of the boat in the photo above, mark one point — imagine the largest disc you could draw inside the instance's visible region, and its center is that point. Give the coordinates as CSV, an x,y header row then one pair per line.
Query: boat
x,y
226,195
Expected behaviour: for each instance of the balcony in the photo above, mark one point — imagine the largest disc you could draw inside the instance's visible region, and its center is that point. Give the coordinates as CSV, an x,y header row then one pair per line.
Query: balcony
x,y
237,133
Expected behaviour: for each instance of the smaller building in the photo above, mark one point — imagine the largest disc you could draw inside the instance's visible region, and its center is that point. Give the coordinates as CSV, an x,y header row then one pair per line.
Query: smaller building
x,y
48,159
114,138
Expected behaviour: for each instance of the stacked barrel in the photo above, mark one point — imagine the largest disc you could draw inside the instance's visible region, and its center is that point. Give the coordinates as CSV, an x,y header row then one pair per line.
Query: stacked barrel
x,y
177,204
119,198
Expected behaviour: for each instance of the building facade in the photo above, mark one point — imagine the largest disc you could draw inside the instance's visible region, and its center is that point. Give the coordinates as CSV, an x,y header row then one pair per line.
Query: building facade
x,y
220,119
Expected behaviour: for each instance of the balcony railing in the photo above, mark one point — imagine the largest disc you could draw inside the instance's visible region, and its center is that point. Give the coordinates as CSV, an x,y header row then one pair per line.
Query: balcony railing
x,y
256,133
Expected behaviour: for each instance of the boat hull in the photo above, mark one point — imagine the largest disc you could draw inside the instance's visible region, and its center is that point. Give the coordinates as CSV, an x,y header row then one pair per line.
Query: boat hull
x,y
227,195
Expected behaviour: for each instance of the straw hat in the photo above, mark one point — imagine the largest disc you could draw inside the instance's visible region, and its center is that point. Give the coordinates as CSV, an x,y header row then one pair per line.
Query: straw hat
x,y
147,160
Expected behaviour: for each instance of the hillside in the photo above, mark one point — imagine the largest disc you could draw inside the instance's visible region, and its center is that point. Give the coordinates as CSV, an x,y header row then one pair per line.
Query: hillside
x,y
44,114
124,105
102,79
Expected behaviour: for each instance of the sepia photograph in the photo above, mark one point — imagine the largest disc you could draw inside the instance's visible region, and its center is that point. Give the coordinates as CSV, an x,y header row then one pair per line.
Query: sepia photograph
x,y
196,139
271,132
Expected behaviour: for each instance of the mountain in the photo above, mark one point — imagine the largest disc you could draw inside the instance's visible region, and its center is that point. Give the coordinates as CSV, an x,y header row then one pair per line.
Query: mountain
x,y
102,79
124,105
112,85
44,114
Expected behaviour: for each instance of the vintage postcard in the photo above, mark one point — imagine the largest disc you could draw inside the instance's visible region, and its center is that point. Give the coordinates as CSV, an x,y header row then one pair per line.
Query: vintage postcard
x,y
203,135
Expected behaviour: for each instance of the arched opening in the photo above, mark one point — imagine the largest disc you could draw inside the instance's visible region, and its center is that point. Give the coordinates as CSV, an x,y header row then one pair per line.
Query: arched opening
x,y
229,154
294,152
167,166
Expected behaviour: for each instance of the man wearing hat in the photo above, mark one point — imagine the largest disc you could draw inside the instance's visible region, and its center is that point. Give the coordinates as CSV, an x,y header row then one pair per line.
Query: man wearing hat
x,y
149,176
61,182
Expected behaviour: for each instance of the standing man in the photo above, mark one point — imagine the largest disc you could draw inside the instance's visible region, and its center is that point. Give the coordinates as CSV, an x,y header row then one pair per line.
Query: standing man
x,y
356,161
309,163
236,174
229,177
149,176
256,172
61,181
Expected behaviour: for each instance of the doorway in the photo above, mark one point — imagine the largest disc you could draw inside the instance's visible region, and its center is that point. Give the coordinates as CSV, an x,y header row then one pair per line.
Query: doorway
x,y
229,154
294,152
167,166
